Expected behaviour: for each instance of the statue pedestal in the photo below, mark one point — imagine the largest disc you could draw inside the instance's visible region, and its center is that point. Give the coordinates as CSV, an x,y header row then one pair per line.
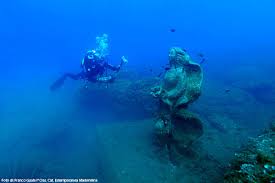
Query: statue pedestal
x,y
127,154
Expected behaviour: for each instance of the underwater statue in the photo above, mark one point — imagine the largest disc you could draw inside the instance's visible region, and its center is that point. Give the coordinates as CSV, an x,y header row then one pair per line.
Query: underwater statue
x,y
176,127
94,66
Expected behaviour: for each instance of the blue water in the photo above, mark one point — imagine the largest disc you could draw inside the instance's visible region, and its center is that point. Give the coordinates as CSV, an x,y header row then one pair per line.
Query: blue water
x,y
40,40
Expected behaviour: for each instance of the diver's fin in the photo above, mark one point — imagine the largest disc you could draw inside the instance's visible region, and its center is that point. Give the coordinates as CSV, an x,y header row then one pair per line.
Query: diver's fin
x,y
58,83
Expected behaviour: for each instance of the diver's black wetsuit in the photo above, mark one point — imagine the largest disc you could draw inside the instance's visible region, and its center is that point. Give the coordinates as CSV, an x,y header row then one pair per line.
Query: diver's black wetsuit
x,y
92,71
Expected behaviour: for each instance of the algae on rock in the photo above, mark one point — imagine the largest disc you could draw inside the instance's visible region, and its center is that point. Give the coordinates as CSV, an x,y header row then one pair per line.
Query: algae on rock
x,y
256,162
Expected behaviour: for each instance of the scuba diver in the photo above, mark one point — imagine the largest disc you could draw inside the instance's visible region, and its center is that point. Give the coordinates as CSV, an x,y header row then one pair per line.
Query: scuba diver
x,y
94,65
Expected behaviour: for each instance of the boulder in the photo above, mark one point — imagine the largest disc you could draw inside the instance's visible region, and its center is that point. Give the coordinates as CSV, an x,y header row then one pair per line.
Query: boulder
x,y
256,162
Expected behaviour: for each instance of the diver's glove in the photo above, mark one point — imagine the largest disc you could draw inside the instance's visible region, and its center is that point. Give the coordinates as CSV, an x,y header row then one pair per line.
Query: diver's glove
x,y
124,60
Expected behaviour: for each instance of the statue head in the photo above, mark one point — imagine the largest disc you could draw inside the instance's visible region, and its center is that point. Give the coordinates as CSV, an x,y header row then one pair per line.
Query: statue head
x,y
178,57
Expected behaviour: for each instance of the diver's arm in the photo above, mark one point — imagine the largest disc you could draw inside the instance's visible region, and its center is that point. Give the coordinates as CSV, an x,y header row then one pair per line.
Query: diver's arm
x,y
116,68
111,67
